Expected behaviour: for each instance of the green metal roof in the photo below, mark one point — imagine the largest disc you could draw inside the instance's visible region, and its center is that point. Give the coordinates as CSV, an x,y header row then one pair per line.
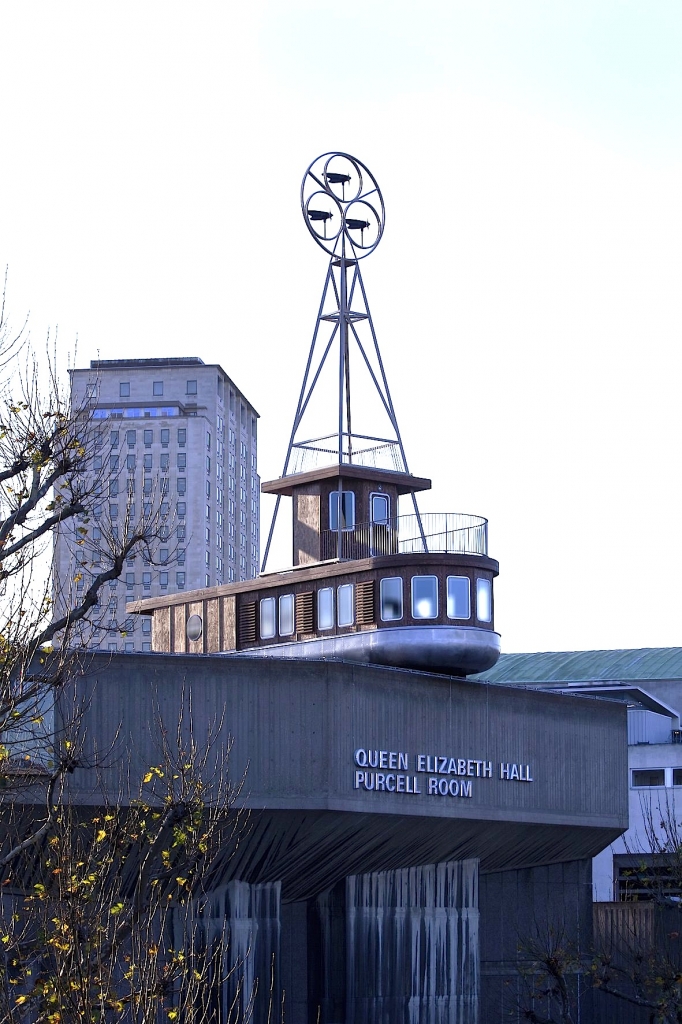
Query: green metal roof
x,y
587,666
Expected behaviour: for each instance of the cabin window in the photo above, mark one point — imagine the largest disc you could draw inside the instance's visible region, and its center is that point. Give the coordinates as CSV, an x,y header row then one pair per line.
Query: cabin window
x,y
459,597
286,614
344,604
342,508
391,591
325,608
267,618
424,597
484,600
379,508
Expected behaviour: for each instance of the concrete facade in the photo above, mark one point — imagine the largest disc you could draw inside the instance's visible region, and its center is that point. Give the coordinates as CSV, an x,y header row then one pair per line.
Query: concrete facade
x,y
497,795
177,436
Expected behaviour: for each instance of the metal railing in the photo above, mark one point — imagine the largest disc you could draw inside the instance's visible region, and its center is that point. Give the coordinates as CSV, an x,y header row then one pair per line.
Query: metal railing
x,y
358,450
441,532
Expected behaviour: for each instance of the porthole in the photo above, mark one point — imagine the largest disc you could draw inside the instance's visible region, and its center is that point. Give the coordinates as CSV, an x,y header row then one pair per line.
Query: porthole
x,y
194,628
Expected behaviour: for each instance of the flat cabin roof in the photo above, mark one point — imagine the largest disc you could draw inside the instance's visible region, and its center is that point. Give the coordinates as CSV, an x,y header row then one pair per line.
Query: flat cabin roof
x,y
405,482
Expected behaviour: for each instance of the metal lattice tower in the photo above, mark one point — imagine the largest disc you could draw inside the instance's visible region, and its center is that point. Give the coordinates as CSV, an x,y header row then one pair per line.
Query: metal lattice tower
x,y
344,211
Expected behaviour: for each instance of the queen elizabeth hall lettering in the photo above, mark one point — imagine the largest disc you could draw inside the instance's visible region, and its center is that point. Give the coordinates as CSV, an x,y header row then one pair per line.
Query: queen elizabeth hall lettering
x,y
388,771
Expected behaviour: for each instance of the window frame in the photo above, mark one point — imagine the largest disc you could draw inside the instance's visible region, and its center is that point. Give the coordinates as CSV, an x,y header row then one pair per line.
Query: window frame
x,y
387,498
289,598
391,618
335,508
483,584
424,576
345,587
458,618
332,617
265,603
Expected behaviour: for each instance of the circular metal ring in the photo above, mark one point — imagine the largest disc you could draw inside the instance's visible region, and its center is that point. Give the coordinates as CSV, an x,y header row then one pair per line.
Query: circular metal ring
x,y
324,236
316,182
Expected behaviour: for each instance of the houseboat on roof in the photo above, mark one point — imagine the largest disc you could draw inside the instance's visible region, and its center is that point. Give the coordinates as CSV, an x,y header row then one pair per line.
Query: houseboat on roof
x,y
366,583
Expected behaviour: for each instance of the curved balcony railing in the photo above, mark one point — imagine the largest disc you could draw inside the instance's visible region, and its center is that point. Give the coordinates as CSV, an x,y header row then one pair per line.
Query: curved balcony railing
x,y
431,532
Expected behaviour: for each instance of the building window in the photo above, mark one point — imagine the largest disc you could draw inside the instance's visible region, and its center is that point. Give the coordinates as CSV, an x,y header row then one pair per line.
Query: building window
x,y
146,580
208,443
114,438
130,580
342,508
180,580
163,555
113,488
677,776
182,460
124,389
165,462
391,593
344,604
459,597
146,625
165,508
182,436
182,508
643,777
484,600
181,556
148,438
165,437
379,508
424,597
146,647
157,388
163,579
131,438
113,463
286,614
182,486
267,618
164,485
191,387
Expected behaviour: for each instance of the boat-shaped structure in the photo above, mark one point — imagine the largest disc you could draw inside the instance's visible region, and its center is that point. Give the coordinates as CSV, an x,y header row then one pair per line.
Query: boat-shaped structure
x,y
366,584
414,591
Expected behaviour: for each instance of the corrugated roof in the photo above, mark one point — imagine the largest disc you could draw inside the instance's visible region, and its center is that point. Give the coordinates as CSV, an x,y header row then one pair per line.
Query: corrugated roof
x,y
587,666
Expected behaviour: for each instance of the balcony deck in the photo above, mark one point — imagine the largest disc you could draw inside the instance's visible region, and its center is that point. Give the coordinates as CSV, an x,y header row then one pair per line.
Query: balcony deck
x,y
429,533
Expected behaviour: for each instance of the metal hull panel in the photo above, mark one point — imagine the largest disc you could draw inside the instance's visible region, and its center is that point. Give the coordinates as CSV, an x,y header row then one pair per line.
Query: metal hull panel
x,y
456,650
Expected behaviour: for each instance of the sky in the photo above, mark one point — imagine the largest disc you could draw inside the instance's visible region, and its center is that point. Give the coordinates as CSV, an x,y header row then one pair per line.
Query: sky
x,y
526,292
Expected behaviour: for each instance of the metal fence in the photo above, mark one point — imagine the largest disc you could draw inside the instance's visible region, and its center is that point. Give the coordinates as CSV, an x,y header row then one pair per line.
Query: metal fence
x,y
432,532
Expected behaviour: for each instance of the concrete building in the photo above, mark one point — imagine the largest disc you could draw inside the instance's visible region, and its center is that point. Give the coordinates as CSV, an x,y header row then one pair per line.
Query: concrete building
x,y
650,682
404,829
175,436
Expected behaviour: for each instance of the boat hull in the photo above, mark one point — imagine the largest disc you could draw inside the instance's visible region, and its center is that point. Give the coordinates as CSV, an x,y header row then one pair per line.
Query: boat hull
x,y
455,650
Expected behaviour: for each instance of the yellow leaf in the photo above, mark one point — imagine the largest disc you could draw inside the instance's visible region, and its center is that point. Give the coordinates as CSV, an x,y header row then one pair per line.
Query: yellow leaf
x,y
147,777
101,835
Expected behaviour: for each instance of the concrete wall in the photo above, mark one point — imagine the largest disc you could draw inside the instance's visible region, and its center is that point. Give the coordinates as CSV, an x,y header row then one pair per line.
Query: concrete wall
x,y
295,727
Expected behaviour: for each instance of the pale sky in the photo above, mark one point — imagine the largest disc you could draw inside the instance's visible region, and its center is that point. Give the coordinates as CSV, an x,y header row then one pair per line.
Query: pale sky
x,y
525,293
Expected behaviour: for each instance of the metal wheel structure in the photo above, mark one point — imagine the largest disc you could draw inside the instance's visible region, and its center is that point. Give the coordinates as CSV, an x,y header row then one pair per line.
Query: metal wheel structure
x,y
344,212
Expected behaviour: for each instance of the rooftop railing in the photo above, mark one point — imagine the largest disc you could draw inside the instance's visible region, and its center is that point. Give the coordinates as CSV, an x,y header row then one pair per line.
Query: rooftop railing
x,y
431,532
357,450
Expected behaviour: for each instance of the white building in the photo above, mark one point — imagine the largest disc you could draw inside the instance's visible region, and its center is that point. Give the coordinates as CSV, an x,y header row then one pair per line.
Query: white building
x,y
176,436
650,682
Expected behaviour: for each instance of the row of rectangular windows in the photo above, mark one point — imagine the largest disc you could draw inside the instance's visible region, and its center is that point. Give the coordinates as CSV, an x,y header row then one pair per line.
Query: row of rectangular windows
x,y
648,777
424,593
157,389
